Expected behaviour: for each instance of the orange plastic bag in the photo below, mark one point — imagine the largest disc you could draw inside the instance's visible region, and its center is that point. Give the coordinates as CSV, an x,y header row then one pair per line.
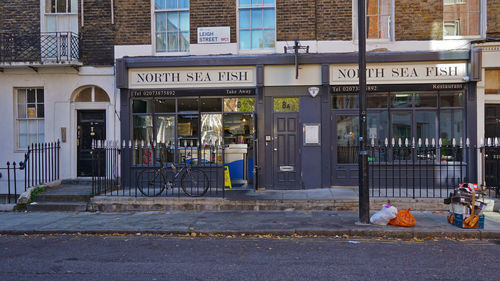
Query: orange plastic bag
x,y
404,218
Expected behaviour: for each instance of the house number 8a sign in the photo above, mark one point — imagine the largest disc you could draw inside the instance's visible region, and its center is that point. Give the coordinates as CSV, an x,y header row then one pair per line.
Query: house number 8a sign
x,y
286,104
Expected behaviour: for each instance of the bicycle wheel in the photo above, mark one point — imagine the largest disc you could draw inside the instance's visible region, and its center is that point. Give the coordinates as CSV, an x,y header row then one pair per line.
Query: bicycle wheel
x,y
151,182
194,183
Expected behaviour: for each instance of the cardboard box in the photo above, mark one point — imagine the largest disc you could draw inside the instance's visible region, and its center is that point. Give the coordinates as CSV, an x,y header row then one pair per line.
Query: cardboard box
x,y
459,221
459,209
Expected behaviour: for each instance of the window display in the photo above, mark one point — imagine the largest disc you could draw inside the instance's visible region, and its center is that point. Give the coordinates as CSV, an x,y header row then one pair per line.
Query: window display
x,y
402,115
189,127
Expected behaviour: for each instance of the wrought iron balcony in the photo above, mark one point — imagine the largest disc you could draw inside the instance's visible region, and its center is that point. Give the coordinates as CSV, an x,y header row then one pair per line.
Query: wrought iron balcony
x,y
43,48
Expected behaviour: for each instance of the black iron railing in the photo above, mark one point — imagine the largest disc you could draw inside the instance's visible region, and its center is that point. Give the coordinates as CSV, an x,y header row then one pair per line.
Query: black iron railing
x,y
490,164
42,163
108,178
44,47
398,168
430,169
11,173
39,166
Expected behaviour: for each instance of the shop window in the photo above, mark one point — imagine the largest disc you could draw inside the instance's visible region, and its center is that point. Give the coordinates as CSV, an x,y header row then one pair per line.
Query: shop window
x,y
238,128
345,101
451,128
462,17
379,19
451,99
187,130
492,81
378,131
187,105
376,100
142,106
30,117
211,105
165,130
401,100
423,115
165,105
426,99
257,24
171,25
401,124
239,105
143,128
211,129
165,137
143,138
425,122
286,104
192,124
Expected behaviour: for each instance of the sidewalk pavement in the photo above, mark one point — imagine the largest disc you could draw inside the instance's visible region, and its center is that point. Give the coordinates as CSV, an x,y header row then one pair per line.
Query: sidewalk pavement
x,y
323,199
328,223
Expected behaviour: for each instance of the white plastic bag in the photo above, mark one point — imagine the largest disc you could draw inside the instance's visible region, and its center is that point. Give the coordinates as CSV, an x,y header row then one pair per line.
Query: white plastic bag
x,y
383,216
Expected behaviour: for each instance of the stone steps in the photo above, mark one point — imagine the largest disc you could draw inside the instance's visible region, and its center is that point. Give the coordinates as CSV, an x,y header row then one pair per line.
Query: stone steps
x,y
63,198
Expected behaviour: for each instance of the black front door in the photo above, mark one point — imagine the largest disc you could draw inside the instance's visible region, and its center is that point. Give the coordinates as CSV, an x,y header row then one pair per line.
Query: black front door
x,y
492,130
91,125
286,151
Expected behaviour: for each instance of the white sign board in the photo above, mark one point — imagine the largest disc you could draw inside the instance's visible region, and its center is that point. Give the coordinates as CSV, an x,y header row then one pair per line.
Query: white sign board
x,y
399,73
312,134
183,77
214,35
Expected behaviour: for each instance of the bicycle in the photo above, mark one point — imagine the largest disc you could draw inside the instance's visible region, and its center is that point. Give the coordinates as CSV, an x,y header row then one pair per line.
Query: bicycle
x,y
152,182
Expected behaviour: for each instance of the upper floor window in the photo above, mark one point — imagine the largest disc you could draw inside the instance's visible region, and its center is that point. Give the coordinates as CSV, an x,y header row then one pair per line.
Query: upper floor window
x,y
462,17
60,6
257,24
30,117
379,19
172,25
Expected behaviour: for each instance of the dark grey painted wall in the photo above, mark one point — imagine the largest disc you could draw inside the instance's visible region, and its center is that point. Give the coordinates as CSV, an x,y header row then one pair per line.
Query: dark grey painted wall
x,y
310,112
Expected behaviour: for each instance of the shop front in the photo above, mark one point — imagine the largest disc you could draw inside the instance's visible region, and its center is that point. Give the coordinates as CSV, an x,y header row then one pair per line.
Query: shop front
x,y
409,105
286,126
194,116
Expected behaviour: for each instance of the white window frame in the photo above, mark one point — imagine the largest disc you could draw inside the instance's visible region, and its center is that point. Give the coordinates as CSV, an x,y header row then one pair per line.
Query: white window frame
x,y
74,7
260,50
455,24
153,31
19,119
482,21
355,24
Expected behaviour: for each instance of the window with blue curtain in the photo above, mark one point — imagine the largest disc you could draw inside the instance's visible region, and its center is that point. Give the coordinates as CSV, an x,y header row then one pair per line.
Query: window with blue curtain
x,y
257,24
172,25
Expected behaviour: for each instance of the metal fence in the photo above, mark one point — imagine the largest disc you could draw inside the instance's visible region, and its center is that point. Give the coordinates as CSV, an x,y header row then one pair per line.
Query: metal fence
x,y
150,170
428,169
39,47
398,168
490,164
39,166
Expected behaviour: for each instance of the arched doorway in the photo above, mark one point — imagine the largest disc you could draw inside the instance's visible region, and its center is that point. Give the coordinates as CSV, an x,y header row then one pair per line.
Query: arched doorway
x,y
90,125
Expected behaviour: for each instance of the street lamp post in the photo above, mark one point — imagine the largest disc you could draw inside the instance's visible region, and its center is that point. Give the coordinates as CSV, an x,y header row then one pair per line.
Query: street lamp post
x,y
364,199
